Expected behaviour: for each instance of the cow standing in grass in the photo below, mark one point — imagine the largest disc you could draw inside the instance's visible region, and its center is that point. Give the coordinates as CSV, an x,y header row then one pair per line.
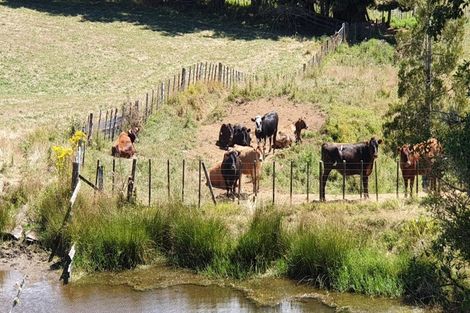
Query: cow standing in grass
x,y
333,155
266,127
251,162
124,145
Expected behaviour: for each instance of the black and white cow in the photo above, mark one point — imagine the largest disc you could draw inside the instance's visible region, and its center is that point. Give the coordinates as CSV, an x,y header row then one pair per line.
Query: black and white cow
x,y
266,127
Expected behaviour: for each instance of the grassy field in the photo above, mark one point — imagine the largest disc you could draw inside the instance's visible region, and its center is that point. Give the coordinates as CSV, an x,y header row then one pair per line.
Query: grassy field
x,y
64,58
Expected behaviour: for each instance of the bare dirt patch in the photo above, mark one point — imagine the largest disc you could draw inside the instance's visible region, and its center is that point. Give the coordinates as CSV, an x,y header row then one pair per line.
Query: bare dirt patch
x,y
241,112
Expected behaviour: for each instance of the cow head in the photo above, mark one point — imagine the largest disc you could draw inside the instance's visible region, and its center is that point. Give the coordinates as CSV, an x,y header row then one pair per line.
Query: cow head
x,y
258,123
405,155
132,133
373,145
230,157
241,135
300,124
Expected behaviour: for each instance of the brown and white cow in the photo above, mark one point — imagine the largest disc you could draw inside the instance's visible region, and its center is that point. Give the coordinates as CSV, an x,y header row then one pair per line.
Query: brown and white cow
x,y
124,145
283,141
419,160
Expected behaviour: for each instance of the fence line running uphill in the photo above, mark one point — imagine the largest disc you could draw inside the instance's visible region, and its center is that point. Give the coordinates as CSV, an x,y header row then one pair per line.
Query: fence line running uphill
x,y
111,122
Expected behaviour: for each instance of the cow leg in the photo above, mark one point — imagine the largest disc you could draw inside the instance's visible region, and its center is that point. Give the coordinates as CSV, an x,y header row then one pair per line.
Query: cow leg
x,y
324,178
405,180
365,186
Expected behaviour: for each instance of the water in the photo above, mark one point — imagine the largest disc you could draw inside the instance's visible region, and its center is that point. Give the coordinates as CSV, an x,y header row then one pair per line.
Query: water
x,y
47,296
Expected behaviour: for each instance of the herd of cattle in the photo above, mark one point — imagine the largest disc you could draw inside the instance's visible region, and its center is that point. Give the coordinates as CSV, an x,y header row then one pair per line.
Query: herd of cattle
x,y
348,159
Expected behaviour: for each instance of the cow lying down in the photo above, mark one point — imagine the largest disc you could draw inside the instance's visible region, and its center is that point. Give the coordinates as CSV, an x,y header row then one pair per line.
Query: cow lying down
x,y
124,145
248,156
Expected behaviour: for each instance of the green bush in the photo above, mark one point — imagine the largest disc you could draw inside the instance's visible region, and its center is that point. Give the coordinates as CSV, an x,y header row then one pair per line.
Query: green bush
x,y
262,244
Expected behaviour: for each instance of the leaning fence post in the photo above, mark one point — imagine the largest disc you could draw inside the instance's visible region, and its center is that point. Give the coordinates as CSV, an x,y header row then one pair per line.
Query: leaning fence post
x,y
209,182
274,182
90,128
344,179
75,173
291,174
150,181
97,169
255,184
398,173
376,182
100,184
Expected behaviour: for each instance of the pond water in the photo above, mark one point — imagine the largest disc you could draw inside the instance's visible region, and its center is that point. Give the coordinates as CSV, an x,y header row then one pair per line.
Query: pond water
x,y
47,296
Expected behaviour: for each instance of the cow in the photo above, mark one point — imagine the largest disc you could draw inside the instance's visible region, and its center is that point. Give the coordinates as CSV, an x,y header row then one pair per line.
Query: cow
x,y
282,141
251,159
419,160
299,125
241,135
231,170
333,155
216,178
225,136
266,127
124,145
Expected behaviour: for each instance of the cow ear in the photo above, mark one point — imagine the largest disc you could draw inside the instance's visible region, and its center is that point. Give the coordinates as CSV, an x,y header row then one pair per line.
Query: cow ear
x,y
253,120
380,141
248,130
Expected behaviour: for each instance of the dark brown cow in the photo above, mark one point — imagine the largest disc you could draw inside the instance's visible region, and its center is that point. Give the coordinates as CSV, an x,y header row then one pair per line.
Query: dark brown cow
x,y
299,125
124,145
225,136
333,155
419,160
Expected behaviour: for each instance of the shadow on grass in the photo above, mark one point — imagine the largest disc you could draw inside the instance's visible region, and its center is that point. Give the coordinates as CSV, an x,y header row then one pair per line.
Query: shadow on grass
x,y
168,21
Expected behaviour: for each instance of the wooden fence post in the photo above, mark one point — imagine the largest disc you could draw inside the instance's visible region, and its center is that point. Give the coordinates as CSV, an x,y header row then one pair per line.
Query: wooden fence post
x,y
98,129
90,128
255,184
131,181
114,123
182,181
376,183
113,175
199,186
100,184
398,173
183,78
189,76
105,125
209,182
344,179
150,181
168,178
417,176
274,182
220,73
75,173
308,181
97,169
290,185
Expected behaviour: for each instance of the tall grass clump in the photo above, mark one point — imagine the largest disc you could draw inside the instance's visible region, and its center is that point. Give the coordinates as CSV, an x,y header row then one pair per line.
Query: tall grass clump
x,y
371,272
317,254
115,242
5,215
263,243
197,241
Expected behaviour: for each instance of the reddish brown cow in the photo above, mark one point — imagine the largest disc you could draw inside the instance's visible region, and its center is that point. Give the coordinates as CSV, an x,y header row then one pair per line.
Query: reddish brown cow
x,y
282,141
215,176
419,160
124,145
251,163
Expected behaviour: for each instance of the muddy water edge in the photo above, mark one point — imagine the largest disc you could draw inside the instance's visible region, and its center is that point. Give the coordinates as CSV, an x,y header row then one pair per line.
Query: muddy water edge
x,y
158,288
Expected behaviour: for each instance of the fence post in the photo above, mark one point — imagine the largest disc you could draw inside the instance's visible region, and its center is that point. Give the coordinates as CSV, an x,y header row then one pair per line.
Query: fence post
x,y
376,182
189,76
100,178
308,181
398,173
97,170
162,93
320,178
220,73
199,187
291,174
90,128
344,179
362,179
151,102
113,174
255,178
105,125
131,181
274,182
150,181
183,78
417,176
209,182
182,181
75,173
168,178
98,129
114,123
